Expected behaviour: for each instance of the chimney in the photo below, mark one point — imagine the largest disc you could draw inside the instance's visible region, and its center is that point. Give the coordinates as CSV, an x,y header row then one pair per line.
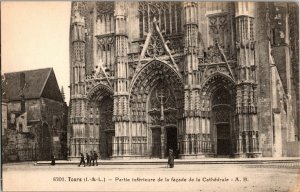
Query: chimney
x,y
22,86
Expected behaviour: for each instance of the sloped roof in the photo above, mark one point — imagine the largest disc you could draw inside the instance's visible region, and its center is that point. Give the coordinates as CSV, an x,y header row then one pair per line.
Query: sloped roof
x,y
35,83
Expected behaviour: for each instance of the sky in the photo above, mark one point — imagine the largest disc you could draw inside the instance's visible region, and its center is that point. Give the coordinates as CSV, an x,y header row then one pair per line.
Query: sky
x,y
36,35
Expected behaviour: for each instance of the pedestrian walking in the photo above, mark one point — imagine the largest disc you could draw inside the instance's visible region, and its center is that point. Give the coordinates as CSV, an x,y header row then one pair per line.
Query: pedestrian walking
x,y
171,158
81,160
92,158
88,160
96,157
52,159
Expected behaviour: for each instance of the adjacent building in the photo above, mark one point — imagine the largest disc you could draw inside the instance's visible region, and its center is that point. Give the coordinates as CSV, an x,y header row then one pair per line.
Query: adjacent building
x,y
206,79
34,116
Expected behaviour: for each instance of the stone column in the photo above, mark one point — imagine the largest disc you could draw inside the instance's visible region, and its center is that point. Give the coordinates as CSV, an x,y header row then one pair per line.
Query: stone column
x,y
246,106
191,117
121,106
78,102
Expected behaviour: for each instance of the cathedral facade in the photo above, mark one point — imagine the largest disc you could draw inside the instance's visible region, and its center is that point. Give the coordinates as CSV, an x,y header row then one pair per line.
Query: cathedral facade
x,y
205,79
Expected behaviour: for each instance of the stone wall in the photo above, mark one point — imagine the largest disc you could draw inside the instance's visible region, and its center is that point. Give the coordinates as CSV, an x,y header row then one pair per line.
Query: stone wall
x,y
293,149
45,131
19,146
264,97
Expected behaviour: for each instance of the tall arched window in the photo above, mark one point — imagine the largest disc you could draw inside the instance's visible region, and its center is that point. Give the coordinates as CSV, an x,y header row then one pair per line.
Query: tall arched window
x,y
168,15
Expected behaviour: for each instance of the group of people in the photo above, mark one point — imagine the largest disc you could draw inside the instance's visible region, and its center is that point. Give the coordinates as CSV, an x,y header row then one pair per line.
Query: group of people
x,y
91,159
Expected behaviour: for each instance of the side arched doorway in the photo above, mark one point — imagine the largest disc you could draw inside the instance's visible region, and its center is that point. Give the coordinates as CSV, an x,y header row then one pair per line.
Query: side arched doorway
x,y
218,95
222,117
101,128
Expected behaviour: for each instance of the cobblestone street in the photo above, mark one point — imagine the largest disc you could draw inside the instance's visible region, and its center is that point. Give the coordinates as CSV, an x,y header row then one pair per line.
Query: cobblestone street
x,y
199,177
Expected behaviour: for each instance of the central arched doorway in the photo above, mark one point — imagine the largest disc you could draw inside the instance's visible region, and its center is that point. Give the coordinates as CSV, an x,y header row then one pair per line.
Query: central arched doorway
x,y
156,102
162,113
172,141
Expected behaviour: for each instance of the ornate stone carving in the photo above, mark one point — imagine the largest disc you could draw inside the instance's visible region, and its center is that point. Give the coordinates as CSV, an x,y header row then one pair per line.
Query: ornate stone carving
x,y
162,106
80,6
219,29
222,114
155,48
105,40
154,74
175,44
105,8
213,55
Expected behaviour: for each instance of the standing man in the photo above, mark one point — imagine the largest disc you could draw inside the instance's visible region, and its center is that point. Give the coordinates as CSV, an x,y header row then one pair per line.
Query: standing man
x,y
96,157
81,160
88,160
92,158
171,158
52,159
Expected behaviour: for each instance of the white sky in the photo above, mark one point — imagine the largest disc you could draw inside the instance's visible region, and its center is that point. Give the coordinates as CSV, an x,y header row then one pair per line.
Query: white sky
x,y
36,35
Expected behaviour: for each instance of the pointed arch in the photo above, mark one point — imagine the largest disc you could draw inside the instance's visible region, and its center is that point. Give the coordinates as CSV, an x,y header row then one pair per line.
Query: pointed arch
x,y
215,81
152,65
100,113
99,91
150,73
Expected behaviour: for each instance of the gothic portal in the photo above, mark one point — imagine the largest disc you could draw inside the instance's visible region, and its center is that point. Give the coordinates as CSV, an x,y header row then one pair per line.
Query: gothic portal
x,y
201,78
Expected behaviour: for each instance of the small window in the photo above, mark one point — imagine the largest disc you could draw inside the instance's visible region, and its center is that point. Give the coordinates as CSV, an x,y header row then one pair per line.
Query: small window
x,y
20,127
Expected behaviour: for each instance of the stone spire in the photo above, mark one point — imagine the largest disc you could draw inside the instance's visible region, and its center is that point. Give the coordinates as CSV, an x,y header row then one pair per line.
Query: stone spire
x,y
62,93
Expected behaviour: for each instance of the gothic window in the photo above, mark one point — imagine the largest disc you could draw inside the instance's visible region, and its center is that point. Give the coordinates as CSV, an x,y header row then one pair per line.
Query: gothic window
x,y
106,51
56,124
105,17
20,127
167,14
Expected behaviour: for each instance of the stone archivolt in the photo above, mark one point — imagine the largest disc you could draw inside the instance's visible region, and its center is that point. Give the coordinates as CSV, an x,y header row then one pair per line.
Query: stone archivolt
x,y
152,75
